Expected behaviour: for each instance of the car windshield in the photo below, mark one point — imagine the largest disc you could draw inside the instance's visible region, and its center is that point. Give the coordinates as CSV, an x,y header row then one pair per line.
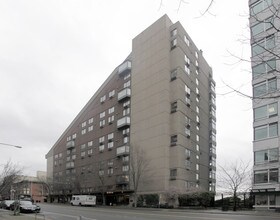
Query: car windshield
x,y
25,203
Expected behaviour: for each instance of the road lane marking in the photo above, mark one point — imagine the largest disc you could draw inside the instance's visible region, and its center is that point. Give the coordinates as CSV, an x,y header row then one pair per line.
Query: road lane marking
x,y
70,216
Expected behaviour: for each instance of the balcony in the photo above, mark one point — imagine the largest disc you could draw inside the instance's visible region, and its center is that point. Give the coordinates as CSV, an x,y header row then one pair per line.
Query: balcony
x,y
70,144
124,68
123,122
125,93
122,151
122,179
70,165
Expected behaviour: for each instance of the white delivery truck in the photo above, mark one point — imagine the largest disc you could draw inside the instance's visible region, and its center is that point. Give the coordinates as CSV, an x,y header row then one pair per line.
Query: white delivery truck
x,y
83,200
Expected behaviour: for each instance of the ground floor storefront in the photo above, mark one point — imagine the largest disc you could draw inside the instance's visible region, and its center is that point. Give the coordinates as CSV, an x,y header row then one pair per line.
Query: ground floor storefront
x,y
266,200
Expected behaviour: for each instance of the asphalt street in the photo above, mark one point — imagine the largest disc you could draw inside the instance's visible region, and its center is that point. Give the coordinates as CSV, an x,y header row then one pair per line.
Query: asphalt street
x,y
67,212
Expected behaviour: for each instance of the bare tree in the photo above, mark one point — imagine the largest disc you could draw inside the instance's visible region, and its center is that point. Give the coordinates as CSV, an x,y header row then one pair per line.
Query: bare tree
x,y
8,176
139,166
265,52
235,178
101,178
180,2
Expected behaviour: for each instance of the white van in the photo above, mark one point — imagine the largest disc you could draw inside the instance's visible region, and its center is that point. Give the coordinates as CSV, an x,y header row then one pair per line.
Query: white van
x,y
83,200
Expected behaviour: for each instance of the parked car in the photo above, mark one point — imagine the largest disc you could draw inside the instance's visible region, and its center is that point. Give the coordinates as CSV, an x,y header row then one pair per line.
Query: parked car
x,y
5,204
25,206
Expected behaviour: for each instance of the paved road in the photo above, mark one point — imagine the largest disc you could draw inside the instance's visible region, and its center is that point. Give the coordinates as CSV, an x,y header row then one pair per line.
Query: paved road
x,y
64,212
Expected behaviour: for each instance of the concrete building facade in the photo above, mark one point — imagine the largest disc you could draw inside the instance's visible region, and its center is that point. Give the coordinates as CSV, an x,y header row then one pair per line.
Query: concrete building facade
x,y
264,26
160,104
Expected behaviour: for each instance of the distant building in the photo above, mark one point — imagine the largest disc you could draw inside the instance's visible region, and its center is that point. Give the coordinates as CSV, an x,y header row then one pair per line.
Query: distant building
x,y
29,187
264,25
160,101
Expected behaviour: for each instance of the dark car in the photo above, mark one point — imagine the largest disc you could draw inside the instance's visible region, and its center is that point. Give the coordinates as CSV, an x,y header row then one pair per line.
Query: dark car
x,y
5,204
25,206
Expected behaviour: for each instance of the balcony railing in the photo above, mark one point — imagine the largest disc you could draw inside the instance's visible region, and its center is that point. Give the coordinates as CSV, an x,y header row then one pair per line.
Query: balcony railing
x,y
125,121
125,67
70,165
70,144
122,179
123,150
125,93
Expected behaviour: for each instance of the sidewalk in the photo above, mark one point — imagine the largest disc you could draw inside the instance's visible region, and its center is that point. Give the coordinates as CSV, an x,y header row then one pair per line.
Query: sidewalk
x,y
8,215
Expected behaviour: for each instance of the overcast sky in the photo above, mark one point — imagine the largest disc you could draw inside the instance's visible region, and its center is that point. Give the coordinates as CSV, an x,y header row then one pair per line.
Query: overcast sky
x,y
54,55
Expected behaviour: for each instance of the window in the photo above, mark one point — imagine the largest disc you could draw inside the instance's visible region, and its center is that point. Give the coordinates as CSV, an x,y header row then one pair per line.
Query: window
x,y
173,107
110,136
101,148
101,140
83,146
126,111
111,94
125,140
90,144
110,163
188,132
127,76
173,43
111,119
188,153
186,40
266,111
102,123
213,99
187,60
197,109
173,75
174,32
110,145
84,131
188,101
90,120
83,154
74,136
187,69
188,164
125,132
173,140
265,87
266,176
103,98
264,68
90,128
125,158
173,173
187,90
102,114
125,168
197,119
197,82
126,104
111,110
265,156
90,152
259,6
126,84
110,171
262,26
263,45
265,131
84,124
196,54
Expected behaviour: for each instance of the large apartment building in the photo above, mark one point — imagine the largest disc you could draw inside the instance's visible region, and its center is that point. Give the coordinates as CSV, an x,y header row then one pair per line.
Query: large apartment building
x,y
264,25
158,105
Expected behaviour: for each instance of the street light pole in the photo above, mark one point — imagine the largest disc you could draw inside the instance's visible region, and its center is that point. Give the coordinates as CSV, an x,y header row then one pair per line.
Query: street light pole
x,y
11,145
